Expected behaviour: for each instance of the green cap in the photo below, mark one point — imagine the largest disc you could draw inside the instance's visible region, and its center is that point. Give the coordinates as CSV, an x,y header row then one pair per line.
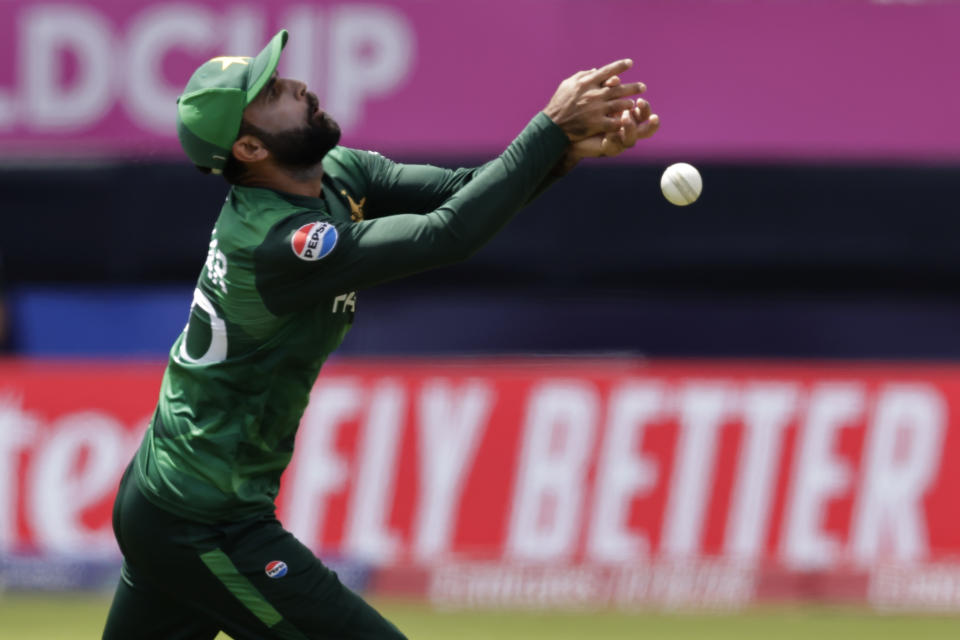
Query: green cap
x,y
211,107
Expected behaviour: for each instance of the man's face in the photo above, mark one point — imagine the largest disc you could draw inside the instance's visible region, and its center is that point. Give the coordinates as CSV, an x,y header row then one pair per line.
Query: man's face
x,y
288,120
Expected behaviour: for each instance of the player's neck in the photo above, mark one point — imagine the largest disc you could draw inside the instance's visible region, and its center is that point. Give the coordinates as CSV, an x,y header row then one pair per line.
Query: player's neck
x,y
301,182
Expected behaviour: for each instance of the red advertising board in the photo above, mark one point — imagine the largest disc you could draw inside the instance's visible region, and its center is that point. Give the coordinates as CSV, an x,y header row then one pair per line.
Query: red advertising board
x,y
499,477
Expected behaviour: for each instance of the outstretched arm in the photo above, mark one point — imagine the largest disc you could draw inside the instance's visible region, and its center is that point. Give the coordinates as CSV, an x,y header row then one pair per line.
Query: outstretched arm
x,y
373,251
421,188
597,94
366,253
409,188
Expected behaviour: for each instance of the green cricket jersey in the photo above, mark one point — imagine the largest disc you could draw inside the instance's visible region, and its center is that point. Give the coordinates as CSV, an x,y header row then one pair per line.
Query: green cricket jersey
x,y
278,293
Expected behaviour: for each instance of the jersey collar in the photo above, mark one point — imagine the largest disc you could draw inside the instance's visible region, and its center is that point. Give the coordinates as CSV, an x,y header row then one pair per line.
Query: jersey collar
x,y
305,202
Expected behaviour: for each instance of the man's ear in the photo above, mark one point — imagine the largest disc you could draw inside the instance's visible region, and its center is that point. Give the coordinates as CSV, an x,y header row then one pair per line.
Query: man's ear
x,y
249,148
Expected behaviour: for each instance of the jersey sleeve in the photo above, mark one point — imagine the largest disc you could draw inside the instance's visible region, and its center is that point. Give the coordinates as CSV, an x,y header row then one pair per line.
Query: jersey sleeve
x,y
308,257
395,188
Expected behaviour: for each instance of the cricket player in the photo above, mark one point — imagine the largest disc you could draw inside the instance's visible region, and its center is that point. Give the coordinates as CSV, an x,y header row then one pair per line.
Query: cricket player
x,y
306,224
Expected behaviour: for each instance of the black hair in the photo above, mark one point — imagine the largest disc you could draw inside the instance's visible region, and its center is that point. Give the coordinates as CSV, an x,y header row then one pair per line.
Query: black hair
x,y
234,171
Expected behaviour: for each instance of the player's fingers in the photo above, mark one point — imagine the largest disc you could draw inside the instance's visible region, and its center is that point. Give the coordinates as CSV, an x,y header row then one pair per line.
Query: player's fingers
x,y
609,124
599,76
618,91
628,127
579,77
613,81
628,130
619,106
648,127
642,111
609,146
630,89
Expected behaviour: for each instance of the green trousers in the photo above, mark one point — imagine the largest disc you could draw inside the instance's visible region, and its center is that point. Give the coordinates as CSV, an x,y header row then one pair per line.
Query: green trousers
x,y
250,579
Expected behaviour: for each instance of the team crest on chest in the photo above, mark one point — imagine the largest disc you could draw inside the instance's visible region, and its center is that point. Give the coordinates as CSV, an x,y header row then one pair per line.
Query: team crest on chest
x,y
314,241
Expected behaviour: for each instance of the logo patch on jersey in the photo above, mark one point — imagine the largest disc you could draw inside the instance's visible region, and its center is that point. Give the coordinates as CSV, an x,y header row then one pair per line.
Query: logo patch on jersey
x,y
314,241
356,208
276,569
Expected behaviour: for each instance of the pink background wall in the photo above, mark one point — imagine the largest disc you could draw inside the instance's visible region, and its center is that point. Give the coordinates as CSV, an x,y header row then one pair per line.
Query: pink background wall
x,y
731,79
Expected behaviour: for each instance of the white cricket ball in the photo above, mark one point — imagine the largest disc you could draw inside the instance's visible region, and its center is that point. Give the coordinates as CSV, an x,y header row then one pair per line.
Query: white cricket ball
x,y
681,184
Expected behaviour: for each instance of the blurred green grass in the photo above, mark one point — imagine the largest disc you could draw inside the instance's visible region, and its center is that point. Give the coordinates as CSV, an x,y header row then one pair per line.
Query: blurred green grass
x,y
56,617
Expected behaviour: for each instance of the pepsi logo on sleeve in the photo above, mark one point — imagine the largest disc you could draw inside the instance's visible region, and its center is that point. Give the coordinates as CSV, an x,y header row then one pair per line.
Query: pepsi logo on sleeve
x,y
276,569
314,241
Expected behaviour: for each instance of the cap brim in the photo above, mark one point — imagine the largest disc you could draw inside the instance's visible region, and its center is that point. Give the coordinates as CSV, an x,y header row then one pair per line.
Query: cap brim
x,y
265,64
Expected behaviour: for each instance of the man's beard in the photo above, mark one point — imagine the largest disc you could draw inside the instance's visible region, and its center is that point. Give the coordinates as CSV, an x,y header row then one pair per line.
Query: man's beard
x,y
302,149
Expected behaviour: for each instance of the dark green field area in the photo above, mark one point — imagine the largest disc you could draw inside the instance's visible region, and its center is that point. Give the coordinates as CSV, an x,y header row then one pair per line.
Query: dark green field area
x,y
31,617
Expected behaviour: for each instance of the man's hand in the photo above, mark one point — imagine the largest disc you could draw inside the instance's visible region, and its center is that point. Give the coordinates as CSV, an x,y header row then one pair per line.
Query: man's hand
x,y
635,124
590,103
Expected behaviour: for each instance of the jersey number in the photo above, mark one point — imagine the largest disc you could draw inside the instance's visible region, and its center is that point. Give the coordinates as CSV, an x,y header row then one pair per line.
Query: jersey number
x,y
206,337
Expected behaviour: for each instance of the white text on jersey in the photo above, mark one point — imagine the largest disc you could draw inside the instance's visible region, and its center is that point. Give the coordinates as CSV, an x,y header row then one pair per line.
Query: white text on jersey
x,y
217,266
349,301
